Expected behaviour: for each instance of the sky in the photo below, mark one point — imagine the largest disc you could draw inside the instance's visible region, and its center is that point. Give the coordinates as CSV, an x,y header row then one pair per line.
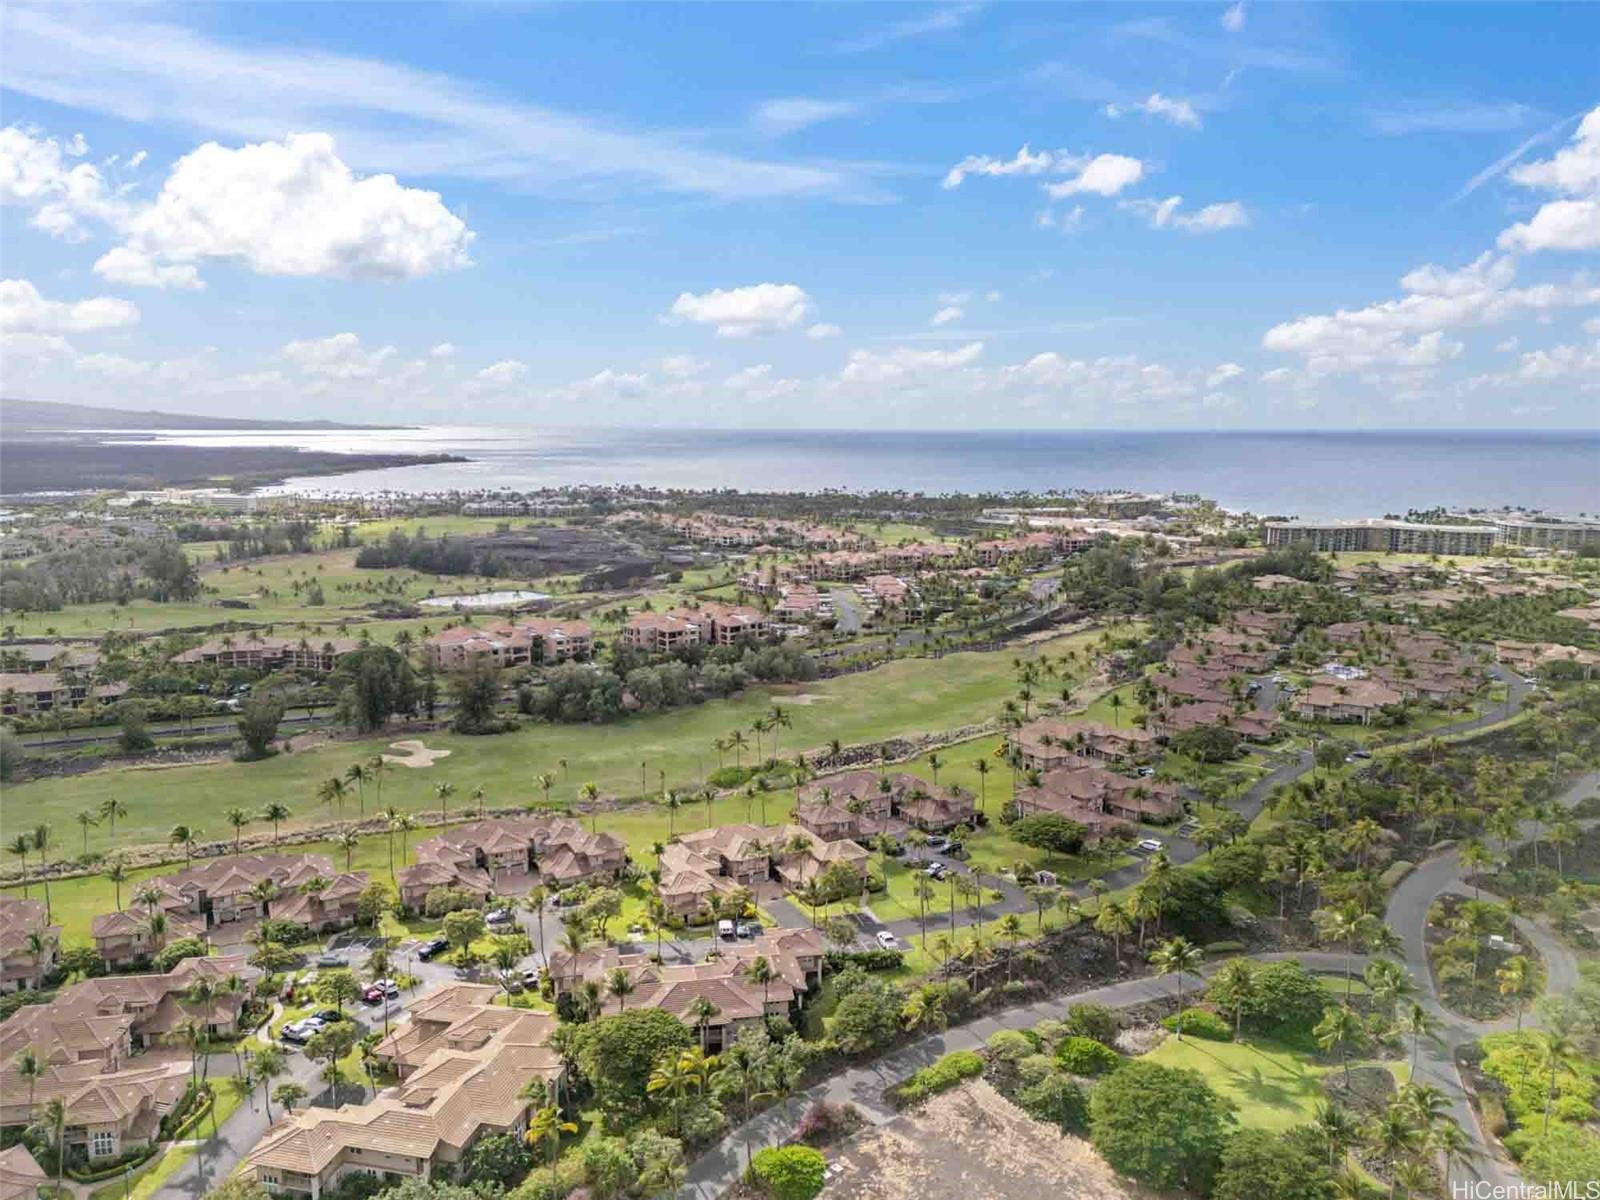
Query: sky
x,y
881,215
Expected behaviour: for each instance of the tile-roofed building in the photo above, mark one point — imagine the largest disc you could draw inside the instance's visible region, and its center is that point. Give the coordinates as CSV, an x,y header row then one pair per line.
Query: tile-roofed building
x,y
661,633
20,1177
510,854
48,656
752,854
1101,800
510,643
1048,743
27,692
126,937
1255,725
1331,699
467,1070
256,653
29,944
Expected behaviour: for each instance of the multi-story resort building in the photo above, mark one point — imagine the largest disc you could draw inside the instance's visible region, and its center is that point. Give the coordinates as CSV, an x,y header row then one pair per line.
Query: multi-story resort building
x,y
254,653
25,693
1381,535
1546,532
509,643
708,625
468,1069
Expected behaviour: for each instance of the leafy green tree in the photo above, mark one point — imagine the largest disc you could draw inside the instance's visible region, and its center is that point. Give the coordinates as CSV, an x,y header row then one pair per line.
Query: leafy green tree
x,y
617,1055
1161,1126
258,725
498,1159
338,988
1257,1163
789,1172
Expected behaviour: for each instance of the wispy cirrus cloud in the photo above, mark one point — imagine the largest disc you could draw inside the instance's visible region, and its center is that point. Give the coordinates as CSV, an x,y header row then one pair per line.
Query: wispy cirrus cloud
x,y
386,116
940,20
1449,116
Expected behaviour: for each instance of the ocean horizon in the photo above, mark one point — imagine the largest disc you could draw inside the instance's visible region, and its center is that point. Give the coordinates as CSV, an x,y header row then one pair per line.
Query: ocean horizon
x,y
1307,473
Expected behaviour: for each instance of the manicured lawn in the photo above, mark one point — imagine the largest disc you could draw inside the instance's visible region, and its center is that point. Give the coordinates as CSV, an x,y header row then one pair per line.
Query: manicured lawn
x,y
904,697
148,1184
1273,1087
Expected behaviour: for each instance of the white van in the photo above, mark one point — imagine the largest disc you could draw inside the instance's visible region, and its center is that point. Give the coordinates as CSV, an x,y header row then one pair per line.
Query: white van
x,y
725,930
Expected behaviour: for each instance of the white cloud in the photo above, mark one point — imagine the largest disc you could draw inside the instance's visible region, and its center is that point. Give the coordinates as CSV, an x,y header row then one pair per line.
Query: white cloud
x,y
947,314
1572,223
683,366
757,384
823,329
1024,162
508,372
33,345
1454,116
340,357
904,364
1233,17
135,268
1222,373
1176,112
1580,363
295,208
786,115
444,350
137,159
76,146
1165,214
1068,220
941,20
1409,331
24,310
63,196
112,366
745,311
1102,175
604,386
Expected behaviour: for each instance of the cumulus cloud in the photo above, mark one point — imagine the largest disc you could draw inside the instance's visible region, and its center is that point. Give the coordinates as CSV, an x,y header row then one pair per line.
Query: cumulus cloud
x,y
135,268
745,311
946,315
1102,175
758,384
1223,373
444,350
65,197
340,357
295,208
24,310
1165,214
1410,331
1023,162
904,363
112,366
1176,112
506,373
823,329
1573,172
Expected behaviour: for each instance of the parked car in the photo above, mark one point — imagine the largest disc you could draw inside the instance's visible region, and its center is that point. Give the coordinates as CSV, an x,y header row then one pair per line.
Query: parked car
x,y
934,870
373,994
511,981
938,842
750,929
330,962
1149,845
887,940
390,988
499,916
1357,755
327,1015
530,977
432,950
725,930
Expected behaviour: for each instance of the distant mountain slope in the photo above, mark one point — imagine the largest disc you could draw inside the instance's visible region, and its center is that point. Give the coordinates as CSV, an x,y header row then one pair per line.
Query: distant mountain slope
x,y
18,416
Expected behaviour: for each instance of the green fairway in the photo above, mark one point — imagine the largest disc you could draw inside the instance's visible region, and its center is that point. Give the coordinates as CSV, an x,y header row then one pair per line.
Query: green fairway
x,y
1273,1087
906,697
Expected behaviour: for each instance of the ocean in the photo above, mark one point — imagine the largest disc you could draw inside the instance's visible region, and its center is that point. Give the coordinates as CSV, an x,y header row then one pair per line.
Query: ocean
x,y
1309,474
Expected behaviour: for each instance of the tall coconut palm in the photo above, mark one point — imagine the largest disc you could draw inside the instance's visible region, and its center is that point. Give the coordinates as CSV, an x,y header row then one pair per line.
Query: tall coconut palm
x,y
347,840
276,813
545,1127
761,974
238,818
589,793
619,986
703,1009
185,837
112,809
22,846
42,846
86,819
1339,1029
117,873
358,774
1177,957
377,768
30,1068
442,792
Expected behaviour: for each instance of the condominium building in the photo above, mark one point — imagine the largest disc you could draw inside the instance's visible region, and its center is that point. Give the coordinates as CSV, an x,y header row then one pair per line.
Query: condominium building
x,y
509,643
1410,537
28,945
253,653
1546,533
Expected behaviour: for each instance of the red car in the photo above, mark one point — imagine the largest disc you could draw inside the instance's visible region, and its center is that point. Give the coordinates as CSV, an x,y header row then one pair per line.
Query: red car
x,y
373,994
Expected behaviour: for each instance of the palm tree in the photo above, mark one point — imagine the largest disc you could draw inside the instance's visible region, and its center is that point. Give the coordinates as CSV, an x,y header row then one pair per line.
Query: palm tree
x,y
1417,1023
41,847
1114,921
289,1094
267,1064
1515,979
55,1118
377,768
358,774
1010,929
403,825
332,792
86,817
22,846
676,1078
1339,1028
1237,981
589,793
545,781
186,837
479,794
442,792
737,742
276,813
981,766
1338,1129
760,974
30,1067
545,1127
117,873
619,986
777,719
111,809
1175,957
347,840
702,1010
238,818
1558,1046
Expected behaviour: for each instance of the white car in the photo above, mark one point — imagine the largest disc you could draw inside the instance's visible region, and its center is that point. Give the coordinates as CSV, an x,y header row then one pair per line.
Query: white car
x,y
1149,845
887,940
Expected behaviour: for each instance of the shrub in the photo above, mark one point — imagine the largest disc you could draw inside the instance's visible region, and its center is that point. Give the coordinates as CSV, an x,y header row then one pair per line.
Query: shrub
x,y
1095,1021
1034,1068
1084,1056
788,1172
1200,1023
175,952
867,960
952,1069
729,777
1213,949
1160,1126
826,1122
1058,1100
1049,831
1010,1046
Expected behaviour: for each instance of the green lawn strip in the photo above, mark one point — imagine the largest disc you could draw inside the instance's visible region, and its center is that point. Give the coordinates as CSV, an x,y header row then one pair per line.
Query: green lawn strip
x,y
155,1176
1272,1086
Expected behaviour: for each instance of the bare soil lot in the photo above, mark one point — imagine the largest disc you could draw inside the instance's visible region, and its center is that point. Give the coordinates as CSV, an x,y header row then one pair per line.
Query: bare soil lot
x,y
973,1144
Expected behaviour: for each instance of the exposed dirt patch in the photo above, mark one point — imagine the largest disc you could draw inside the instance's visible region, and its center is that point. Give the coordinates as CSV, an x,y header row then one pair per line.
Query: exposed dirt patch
x,y
807,698
413,754
968,1143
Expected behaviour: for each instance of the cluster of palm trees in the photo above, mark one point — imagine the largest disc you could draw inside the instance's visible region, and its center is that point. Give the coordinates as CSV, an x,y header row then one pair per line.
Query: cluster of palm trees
x,y
1405,1140
773,721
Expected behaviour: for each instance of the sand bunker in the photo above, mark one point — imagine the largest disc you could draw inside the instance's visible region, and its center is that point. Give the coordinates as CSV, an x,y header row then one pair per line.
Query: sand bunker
x,y
413,754
805,698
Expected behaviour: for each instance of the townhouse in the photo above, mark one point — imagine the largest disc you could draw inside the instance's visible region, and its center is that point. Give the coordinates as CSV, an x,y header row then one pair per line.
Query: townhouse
x,y
25,693
20,1176
1332,699
1102,801
1046,744
29,944
753,855
255,653
129,936
509,643
885,591
795,956
61,657
1253,725
708,625
87,1040
1528,657
511,854
468,1069
864,804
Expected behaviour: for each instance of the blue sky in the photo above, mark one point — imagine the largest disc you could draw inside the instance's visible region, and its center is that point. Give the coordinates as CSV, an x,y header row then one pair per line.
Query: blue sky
x,y
902,215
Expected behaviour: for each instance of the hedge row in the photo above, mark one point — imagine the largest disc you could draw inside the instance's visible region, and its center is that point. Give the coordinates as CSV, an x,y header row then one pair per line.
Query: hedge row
x,y
955,1067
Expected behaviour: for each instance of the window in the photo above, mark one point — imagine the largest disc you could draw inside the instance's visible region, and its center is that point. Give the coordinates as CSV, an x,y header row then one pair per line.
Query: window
x,y
103,1144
